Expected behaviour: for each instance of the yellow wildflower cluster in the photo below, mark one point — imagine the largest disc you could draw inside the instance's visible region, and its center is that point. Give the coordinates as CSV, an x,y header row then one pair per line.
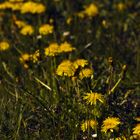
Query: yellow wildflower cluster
x,y
35,56
89,11
23,7
32,7
110,124
55,49
25,58
73,67
46,29
93,97
88,124
4,46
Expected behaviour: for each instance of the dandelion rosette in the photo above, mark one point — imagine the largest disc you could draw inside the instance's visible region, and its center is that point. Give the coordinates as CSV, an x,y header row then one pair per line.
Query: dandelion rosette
x,y
93,97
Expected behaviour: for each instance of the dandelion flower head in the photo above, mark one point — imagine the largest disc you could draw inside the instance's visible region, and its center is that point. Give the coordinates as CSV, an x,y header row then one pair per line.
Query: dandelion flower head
x,y
46,29
91,10
66,47
20,23
110,123
93,97
27,30
80,63
32,7
88,124
66,68
85,73
52,49
136,129
4,46
35,57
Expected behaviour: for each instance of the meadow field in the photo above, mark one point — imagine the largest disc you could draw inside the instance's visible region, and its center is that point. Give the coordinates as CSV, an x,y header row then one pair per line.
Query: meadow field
x,y
69,70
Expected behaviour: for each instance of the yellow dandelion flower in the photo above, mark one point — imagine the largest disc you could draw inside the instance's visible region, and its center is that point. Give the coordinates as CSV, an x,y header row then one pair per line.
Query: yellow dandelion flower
x,y
80,63
5,5
52,50
69,20
27,30
35,57
91,10
16,6
110,124
121,6
10,5
66,68
20,23
85,73
136,129
24,58
121,138
81,14
88,124
66,47
32,7
4,46
93,97
46,29
105,24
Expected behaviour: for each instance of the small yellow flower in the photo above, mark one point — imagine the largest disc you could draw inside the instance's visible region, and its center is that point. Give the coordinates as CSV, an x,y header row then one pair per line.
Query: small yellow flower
x,y
69,20
80,63
24,58
32,7
5,5
46,29
66,47
35,57
93,97
4,46
16,6
66,68
121,138
109,124
27,30
121,6
105,24
81,14
85,73
88,124
136,129
91,10
52,50
20,23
